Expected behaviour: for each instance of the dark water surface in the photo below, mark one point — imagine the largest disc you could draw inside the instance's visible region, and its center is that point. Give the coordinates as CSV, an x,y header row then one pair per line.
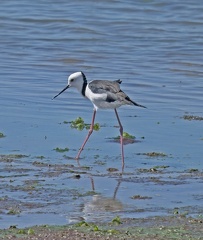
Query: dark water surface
x,y
156,49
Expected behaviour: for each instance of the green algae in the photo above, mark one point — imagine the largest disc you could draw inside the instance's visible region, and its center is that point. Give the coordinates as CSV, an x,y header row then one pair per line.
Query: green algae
x,y
192,117
125,136
2,135
80,124
61,150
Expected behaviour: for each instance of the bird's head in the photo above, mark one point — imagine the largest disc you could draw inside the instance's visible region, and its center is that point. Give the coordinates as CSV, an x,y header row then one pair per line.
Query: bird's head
x,y
76,80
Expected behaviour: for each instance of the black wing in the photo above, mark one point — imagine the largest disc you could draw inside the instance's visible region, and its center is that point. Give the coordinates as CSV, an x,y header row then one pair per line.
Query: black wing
x,y
104,86
112,91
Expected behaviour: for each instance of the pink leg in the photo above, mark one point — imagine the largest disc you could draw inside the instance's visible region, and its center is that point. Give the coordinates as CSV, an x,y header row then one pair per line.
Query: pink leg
x,y
121,138
88,135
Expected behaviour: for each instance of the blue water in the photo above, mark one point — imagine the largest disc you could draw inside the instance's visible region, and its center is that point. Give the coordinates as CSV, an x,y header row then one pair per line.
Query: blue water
x,y
154,48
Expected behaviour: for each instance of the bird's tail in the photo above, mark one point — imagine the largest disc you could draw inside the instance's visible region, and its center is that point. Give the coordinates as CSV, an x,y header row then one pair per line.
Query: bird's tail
x,y
138,105
134,103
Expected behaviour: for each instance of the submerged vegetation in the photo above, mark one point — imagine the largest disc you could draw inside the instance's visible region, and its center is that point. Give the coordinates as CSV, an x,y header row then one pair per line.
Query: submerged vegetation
x,y
154,154
13,156
139,197
192,117
80,124
2,135
61,150
126,136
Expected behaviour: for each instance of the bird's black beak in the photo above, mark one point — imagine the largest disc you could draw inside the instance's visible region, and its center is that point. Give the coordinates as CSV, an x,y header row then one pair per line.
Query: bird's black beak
x,y
61,91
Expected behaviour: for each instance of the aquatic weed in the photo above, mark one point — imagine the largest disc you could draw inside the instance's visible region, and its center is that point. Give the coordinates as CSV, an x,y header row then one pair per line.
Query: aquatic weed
x,y
139,197
61,150
30,231
13,212
192,117
80,124
154,154
116,220
2,135
125,136
15,156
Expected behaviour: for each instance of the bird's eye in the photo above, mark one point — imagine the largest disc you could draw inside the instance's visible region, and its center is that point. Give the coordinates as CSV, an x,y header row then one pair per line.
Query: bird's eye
x,y
72,80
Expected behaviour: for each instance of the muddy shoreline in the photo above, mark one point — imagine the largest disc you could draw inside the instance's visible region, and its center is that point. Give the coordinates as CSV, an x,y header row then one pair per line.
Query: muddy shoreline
x,y
181,222
171,227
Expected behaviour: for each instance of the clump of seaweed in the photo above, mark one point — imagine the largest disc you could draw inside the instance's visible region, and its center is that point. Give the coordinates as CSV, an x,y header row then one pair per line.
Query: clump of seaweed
x,y
127,138
154,154
61,150
192,117
80,124
2,135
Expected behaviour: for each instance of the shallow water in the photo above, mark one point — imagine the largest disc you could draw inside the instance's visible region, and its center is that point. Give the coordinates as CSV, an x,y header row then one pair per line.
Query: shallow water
x,y
156,50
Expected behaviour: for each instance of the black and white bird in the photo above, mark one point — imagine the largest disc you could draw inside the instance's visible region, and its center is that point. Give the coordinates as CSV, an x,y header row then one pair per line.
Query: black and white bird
x,y
103,94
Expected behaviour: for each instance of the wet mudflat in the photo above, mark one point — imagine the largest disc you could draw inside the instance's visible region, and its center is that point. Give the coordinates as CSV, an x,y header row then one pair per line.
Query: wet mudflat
x,y
174,227
49,190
